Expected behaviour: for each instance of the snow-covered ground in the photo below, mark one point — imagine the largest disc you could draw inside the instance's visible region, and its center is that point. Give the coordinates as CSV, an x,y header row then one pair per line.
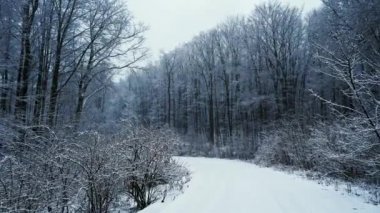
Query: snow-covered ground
x,y
225,186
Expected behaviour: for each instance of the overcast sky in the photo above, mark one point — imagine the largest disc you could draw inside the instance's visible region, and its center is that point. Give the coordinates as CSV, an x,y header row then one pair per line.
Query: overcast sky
x,y
173,22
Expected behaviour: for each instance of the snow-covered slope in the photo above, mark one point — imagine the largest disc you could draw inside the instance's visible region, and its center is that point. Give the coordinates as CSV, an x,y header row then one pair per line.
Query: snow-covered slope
x,y
224,186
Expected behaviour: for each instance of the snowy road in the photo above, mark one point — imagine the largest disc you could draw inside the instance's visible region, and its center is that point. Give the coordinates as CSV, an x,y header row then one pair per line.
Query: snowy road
x,y
223,186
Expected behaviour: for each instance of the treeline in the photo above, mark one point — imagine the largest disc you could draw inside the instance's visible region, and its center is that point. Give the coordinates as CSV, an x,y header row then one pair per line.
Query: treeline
x,y
275,86
59,57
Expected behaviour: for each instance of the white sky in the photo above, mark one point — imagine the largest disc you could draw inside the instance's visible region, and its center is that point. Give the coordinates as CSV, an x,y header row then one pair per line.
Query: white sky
x,y
173,22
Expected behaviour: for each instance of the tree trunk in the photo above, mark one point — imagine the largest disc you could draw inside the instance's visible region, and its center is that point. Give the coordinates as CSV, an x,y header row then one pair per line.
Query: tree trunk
x,y
64,22
42,80
79,108
5,87
211,112
54,83
169,100
4,91
29,10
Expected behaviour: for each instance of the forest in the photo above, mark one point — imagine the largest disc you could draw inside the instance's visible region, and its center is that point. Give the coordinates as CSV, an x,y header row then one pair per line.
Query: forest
x,y
275,86
278,87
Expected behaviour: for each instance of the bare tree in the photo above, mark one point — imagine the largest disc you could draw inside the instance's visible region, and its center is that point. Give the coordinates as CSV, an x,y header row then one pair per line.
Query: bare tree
x,y
352,58
110,35
280,33
44,60
205,59
65,14
168,66
29,9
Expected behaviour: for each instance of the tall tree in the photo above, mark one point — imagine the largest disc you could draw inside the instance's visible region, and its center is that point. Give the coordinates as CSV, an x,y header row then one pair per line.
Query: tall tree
x,y
25,67
168,66
65,13
205,59
110,35
44,59
280,33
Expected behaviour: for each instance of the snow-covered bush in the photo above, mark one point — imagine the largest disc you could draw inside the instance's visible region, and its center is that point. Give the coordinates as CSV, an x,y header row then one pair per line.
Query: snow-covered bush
x,y
151,165
35,173
286,144
137,163
42,170
346,149
100,175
